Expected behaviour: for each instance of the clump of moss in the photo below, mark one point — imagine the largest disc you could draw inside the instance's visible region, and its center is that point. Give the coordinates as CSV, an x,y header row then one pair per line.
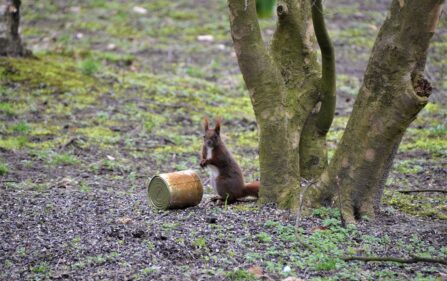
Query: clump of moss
x,y
417,204
4,169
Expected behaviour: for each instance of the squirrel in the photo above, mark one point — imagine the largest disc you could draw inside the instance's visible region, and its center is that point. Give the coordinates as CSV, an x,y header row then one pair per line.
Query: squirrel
x,y
225,174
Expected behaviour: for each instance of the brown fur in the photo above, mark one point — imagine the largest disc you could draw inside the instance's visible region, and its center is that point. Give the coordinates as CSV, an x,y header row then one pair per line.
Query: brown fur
x,y
229,184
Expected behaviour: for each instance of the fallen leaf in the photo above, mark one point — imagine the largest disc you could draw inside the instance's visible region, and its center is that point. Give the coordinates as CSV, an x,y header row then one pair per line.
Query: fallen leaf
x,y
292,279
256,271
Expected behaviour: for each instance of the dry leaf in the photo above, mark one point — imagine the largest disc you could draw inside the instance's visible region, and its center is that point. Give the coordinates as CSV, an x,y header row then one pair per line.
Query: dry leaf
x,y
292,279
256,271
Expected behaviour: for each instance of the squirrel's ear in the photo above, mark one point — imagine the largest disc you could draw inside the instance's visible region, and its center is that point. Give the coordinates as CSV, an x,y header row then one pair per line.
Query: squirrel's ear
x,y
217,128
205,124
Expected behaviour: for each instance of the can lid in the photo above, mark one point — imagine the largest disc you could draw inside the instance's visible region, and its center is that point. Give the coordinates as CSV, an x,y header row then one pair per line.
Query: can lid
x,y
158,193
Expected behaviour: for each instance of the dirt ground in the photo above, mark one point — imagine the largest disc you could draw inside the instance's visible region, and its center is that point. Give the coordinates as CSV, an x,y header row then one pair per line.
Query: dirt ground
x,y
116,94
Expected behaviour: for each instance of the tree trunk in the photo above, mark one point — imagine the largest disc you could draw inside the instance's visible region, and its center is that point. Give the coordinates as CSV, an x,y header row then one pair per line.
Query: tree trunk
x,y
393,92
294,105
282,85
10,42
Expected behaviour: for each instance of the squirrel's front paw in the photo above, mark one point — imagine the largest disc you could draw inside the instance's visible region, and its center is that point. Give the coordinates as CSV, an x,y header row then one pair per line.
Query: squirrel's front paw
x,y
203,163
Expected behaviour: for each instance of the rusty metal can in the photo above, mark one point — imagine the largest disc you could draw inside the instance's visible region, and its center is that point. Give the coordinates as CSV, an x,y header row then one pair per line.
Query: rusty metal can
x,y
175,190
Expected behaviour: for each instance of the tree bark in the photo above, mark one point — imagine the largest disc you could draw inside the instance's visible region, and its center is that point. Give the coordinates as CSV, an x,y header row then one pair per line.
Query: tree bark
x,y
10,42
393,92
283,85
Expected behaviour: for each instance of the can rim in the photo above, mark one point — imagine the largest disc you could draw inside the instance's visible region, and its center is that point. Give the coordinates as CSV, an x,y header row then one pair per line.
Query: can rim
x,y
161,205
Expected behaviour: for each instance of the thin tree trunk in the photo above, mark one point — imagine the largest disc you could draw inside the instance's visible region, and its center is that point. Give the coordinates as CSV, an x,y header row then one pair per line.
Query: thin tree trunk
x,y
393,92
10,42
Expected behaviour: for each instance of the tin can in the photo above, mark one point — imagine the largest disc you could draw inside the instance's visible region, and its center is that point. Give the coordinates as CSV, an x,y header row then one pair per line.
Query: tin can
x,y
175,190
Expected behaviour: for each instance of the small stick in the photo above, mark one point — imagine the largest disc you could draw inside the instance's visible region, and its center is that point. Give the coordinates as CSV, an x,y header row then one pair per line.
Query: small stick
x,y
423,190
413,259
300,207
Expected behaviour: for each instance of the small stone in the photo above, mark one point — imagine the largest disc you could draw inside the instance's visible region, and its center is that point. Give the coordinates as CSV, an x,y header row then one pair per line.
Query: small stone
x,y
111,46
139,10
205,38
286,269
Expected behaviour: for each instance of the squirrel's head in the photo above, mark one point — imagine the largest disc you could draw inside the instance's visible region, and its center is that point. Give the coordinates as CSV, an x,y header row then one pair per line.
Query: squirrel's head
x,y
211,138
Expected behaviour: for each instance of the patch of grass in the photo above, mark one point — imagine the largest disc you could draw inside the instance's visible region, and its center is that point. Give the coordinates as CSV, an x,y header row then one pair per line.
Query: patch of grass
x,y
245,208
8,109
83,187
63,159
417,204
199,242
408,167
240,275
89,66
148,270
41,268
4,169
21,127
264,237
99,134
437,146
95,260
14,143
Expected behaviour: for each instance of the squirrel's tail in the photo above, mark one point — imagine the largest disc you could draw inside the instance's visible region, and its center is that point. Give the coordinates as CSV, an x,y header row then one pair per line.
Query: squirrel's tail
x,y
252,189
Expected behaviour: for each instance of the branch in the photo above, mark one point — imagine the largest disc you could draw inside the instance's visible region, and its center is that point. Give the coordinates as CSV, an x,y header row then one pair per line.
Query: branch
x,y
327,110
413,259
423,190
259,72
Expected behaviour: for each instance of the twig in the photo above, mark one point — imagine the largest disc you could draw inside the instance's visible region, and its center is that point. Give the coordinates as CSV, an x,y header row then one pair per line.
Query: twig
x,y
300,207
423,190
6,181
413,259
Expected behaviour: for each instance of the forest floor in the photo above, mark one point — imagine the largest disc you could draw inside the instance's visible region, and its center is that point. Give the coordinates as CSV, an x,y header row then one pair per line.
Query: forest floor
x,y
116,94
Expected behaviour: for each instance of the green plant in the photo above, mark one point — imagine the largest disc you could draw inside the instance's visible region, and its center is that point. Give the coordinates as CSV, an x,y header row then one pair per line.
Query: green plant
x,y
199,242
63,159
240,275
264,237
42,268
21,127
4,169
89,66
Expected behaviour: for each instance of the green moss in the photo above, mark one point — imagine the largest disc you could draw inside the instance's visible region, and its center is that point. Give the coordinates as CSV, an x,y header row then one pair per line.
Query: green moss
x,y
436,146
52,70
348,84
417,204
13,143
4,169
21,127
245,208
63,159
8,108
432,108
240,275
99,134
89,66
408,167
